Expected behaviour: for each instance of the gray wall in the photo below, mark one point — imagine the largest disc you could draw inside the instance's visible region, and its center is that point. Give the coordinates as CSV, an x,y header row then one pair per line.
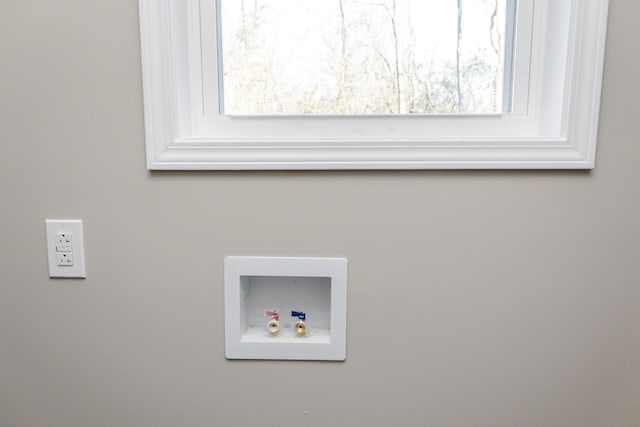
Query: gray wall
x,y
513,297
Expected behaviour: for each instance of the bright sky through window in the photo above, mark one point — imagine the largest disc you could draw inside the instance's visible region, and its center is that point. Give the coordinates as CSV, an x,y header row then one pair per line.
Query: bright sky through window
x,y
363,56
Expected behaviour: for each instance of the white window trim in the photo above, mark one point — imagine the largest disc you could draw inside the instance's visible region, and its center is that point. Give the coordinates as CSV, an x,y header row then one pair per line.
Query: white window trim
x,y
555,129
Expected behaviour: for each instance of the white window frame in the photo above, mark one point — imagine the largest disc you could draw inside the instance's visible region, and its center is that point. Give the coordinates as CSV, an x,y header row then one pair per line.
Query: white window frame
x,y
559,57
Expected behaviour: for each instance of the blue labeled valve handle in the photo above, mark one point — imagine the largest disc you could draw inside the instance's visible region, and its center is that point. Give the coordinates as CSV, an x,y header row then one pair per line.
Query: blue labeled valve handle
x,y
301,315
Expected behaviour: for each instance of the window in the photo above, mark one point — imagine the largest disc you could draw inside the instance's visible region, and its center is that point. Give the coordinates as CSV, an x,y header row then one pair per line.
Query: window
x,y
365,56
506,83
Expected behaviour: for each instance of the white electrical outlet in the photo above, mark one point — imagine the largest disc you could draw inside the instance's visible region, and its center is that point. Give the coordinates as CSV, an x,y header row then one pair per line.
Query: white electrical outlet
x,y
65,248
64,258
64,241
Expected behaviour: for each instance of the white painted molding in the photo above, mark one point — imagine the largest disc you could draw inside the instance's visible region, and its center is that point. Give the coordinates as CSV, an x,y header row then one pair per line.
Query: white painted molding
x,y
178,137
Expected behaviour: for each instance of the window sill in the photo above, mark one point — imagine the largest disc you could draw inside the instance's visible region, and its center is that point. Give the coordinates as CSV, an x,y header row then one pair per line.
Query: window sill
x,y
186,154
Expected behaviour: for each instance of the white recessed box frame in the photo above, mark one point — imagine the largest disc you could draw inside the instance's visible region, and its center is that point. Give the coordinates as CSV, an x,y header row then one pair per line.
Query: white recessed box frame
x,y
242,342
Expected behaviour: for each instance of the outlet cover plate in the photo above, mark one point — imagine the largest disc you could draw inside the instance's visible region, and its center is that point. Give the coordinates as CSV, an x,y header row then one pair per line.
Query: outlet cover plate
x,y
54,227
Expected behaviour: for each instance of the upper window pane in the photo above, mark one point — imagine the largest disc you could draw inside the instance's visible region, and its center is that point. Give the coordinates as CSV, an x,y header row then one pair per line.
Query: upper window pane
x,y
364,56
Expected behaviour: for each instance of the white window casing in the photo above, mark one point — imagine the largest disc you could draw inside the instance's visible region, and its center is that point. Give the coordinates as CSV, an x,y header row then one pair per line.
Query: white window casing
x,y
558,63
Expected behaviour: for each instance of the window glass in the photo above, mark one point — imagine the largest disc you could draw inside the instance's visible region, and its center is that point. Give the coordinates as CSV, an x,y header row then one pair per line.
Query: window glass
x,y
364,56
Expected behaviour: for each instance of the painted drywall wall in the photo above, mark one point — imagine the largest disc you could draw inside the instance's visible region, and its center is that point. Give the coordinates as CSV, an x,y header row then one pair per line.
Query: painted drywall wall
x,y
506,298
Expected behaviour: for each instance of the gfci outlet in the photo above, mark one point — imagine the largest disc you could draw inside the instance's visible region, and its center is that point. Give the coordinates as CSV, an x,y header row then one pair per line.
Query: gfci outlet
x,y
65,248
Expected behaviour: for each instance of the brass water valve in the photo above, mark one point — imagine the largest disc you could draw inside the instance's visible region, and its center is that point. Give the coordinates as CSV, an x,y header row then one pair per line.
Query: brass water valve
x,y
300,326
273,325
